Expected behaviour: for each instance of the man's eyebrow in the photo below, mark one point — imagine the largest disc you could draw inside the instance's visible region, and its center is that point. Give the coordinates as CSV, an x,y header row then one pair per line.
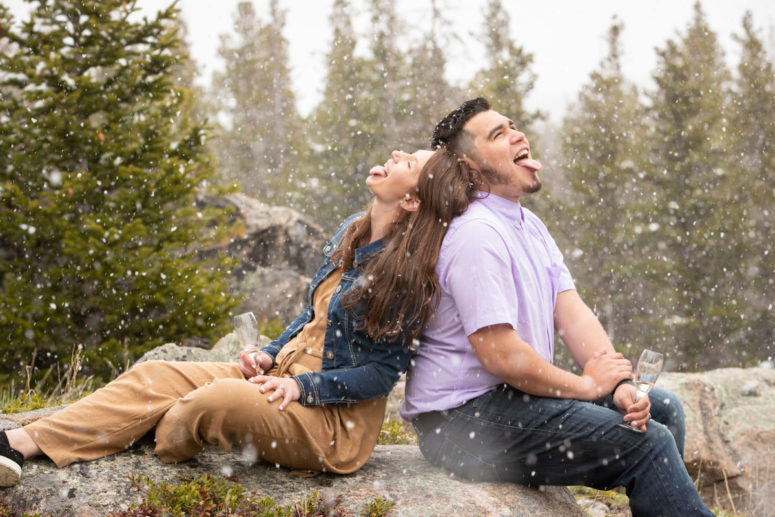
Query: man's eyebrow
x,y
494,130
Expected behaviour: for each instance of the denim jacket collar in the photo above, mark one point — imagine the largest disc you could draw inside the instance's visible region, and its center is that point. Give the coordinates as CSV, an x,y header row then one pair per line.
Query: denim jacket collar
x,y
364,252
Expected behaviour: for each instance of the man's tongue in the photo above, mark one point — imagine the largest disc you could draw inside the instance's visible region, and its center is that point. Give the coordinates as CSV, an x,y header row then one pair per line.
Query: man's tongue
x,y
529,164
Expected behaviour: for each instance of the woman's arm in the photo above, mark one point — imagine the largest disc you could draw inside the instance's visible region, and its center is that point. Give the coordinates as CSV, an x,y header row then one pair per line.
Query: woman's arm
x,y
375,378
372,379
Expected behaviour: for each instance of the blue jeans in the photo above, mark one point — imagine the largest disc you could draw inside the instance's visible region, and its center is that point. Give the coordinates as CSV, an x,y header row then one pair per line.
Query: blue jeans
x,y
508,435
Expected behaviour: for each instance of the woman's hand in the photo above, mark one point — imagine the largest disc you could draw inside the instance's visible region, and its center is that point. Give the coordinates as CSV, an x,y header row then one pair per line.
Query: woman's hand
x,y
636,409
253,362
285,388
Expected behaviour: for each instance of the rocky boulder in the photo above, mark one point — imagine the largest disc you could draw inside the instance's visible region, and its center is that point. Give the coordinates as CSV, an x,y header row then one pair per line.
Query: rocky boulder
x,y
730,442
278,250
397,473
729,453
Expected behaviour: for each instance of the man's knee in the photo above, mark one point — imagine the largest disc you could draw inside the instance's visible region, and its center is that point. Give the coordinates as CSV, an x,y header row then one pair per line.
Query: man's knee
x,y
666,408
668,405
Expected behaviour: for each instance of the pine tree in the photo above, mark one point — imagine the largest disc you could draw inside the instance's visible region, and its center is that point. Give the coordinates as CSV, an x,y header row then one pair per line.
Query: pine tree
x,y
361,117
343,125
388,67
99,167
694,211
426,96
507,78
603,212
260,147
184,74
753,133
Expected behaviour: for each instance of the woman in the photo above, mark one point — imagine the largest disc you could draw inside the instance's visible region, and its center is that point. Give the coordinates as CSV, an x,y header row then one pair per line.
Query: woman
x,y
315,397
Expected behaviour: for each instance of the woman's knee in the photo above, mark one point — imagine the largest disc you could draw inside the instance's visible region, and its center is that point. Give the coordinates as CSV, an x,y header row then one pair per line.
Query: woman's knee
x,y
147,370
219,394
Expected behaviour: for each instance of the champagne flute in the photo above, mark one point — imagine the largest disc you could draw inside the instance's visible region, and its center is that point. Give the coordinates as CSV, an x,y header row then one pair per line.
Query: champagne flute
x,y
246,328
649,367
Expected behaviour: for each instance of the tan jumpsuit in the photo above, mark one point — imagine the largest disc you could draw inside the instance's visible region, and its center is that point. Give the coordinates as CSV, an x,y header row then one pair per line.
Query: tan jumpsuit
x,y
194,404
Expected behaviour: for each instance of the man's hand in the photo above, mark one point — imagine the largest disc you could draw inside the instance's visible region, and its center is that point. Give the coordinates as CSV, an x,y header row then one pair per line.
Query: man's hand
x,y
253,362
636,409
285,388
603,371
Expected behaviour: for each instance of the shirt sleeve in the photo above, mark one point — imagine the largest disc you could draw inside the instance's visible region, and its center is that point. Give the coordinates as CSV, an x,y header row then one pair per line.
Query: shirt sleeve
x,y
477,274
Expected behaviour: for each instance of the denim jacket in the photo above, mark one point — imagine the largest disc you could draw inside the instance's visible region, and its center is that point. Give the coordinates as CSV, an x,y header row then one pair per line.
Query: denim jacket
x,y
354,368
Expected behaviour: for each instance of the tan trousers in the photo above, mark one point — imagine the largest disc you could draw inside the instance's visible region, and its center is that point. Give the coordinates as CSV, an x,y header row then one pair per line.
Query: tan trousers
x,y
194,404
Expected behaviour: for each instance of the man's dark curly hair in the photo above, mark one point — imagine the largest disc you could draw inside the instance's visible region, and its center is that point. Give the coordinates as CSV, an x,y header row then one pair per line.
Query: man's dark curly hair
x,y
449,130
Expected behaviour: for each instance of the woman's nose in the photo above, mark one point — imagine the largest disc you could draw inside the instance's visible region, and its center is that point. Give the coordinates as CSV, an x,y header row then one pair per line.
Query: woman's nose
x,y
396,155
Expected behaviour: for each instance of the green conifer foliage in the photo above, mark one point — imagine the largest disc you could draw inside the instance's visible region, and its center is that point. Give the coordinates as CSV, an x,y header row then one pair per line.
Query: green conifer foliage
x,y
99,166
602,215
260,145
507,78
427,95
694,207
752,134
342,126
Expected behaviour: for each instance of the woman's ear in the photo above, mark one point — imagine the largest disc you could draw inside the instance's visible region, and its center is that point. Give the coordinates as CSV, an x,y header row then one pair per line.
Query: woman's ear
x,y
410,203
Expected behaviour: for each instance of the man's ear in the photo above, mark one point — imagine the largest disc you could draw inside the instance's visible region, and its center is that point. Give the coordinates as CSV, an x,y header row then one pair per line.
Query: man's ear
x,y
410,203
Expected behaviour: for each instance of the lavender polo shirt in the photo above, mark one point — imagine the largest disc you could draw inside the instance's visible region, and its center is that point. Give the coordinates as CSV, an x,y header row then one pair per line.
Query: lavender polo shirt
x,y
497,264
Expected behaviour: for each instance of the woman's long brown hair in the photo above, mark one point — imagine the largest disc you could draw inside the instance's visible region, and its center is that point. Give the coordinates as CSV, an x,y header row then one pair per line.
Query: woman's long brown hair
x,y
399,288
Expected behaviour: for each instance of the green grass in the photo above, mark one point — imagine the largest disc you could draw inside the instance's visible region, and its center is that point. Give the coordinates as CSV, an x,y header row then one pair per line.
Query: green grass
x,y
394,433
69,387
208,496
618,502
378,507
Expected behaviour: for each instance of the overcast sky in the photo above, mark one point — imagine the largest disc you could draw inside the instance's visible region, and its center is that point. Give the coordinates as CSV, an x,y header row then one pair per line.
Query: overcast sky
x,y
566,37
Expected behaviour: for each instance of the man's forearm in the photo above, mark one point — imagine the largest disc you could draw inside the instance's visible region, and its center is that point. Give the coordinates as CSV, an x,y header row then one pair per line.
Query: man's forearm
x,y
507,356
504,354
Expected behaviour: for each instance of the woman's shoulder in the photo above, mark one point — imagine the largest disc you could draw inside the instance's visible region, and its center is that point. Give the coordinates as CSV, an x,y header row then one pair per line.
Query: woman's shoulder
x,y
347,222
333,242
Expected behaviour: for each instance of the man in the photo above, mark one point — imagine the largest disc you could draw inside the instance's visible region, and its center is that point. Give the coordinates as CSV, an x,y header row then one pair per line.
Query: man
x,y
482,392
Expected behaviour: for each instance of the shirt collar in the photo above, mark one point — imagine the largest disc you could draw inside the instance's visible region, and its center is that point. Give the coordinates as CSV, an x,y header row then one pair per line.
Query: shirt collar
x,y
509,210
367,251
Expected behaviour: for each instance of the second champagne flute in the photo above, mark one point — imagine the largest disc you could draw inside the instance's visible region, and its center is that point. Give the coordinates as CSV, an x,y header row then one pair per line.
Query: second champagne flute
x,y
648,369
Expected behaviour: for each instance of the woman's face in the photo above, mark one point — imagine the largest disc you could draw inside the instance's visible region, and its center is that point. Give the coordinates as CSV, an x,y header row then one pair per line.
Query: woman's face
x,y
398,177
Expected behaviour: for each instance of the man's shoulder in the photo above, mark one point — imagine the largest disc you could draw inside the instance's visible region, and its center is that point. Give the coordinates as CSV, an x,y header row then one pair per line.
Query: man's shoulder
x,y
474,230
476,218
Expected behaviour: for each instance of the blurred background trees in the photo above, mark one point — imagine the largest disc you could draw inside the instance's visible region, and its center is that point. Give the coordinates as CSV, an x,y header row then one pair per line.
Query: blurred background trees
x,y
662,199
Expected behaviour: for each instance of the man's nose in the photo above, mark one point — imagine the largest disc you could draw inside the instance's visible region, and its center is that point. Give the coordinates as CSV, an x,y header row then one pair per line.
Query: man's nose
x,y
517,136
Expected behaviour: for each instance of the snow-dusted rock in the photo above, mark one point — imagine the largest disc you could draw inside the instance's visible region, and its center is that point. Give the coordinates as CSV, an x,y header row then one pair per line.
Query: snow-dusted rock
x,y
730,442
278,250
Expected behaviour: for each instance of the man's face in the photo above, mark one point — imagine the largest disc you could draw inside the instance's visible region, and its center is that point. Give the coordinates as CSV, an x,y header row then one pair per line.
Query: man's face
x,y
503,155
